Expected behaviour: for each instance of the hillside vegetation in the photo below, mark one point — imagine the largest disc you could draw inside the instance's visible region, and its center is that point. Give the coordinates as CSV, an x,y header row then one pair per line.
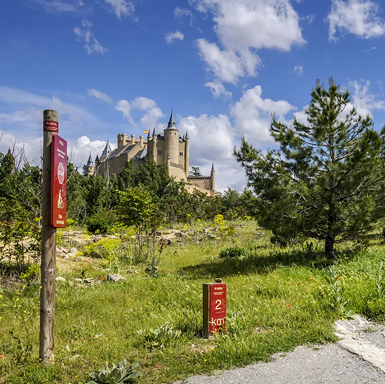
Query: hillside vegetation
x,y
278,298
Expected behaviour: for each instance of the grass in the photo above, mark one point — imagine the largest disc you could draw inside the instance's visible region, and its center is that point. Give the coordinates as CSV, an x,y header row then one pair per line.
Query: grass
x,y
277,299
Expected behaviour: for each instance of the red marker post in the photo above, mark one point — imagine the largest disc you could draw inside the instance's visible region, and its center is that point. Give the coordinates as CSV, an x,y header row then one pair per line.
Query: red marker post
x,y
214,308
59,182
54,196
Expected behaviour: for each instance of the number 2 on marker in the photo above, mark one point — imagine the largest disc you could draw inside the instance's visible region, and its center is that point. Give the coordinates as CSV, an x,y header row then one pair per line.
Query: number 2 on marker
x,y
218,302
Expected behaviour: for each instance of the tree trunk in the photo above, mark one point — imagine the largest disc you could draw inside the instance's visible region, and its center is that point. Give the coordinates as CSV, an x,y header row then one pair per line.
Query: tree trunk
x,y
329,247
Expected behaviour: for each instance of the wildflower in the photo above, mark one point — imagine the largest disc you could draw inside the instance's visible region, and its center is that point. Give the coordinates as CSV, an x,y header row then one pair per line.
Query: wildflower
x,y
339,278
92,335
299,283
1,356
310,279
102,278
299,319
288,305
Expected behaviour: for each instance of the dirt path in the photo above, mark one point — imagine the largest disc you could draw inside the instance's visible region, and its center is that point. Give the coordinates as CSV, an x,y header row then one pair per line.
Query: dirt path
x,y
359,357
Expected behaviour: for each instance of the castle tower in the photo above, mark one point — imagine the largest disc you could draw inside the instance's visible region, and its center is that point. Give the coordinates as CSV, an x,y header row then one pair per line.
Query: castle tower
x,y
154,147
212,179
106,151
171,141
121,140
89,168
186,154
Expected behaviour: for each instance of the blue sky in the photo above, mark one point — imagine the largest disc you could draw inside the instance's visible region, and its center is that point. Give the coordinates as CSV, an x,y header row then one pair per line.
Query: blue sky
x,y
222,66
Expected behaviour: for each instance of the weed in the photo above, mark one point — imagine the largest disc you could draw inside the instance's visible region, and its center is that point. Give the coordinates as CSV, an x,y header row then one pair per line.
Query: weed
x,y
117,374
233,252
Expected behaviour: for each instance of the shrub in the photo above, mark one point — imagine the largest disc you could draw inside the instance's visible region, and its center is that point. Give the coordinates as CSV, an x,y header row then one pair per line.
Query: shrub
x,y
100,223
162,336
32,273
233,252
120,373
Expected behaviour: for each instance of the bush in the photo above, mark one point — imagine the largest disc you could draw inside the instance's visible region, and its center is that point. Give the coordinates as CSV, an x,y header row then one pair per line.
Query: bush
x,y
120,373
233,252
100,222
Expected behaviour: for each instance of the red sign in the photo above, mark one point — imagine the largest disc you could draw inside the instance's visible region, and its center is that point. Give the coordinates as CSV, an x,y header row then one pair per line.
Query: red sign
x,y
51,126
59,182
217,307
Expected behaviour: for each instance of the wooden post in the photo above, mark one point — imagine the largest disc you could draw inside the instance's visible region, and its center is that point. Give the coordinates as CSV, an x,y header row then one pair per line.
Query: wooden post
x,y
206,310
48,249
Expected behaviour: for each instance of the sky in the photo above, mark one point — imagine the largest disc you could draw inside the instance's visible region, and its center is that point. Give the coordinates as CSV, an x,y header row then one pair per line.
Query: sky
x,y
222,66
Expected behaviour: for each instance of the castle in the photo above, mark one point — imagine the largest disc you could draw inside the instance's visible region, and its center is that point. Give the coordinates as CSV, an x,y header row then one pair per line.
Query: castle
x,y
169,148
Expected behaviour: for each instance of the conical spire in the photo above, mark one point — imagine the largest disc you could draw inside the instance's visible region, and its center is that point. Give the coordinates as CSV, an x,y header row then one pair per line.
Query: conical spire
x,y
96,159
171,122
107,150
186,135
153,132
212,168
89,162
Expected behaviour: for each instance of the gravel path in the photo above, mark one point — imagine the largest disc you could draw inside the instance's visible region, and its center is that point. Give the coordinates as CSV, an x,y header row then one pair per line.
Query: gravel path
x,y
359,357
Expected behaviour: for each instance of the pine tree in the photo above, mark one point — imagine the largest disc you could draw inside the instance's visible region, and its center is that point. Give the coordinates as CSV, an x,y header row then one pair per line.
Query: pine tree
x,y
324,180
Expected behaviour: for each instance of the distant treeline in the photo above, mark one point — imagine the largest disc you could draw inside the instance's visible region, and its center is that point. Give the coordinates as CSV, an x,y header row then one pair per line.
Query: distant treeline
x,y
95,198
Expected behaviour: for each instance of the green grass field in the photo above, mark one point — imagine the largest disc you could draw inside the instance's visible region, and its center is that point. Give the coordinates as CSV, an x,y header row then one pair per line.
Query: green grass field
x,y
277,299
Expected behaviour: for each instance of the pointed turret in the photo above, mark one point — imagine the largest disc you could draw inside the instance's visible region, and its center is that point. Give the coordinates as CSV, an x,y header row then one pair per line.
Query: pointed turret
x,y
89,168
212,179
107,150
171,141
171,122
97,159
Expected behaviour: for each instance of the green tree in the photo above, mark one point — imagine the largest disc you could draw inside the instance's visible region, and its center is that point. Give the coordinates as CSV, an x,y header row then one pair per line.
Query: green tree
x,y
136,208
324,179
195,171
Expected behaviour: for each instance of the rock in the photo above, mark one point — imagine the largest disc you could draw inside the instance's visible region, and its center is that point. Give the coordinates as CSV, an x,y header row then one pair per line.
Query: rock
x,y
115,277
73,250
78,280
89,280
60,278
149,270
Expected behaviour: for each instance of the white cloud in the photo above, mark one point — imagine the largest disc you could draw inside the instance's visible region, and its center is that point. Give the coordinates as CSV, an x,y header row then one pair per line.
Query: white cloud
x,y
24,115
171,37
78,151
85,35
255,23
218,89
212,141
359,17
122,8
227,65
252,115
211,138
364,101
100,95
298,69
56,6
152,113
179,13
243,27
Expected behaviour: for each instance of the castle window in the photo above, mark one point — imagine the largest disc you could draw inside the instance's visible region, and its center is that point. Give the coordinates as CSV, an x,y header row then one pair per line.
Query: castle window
x,y
181,153
159,152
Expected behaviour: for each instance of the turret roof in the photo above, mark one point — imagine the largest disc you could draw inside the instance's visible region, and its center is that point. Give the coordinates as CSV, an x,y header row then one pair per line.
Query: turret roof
x,y
89,162
171,122
107,150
